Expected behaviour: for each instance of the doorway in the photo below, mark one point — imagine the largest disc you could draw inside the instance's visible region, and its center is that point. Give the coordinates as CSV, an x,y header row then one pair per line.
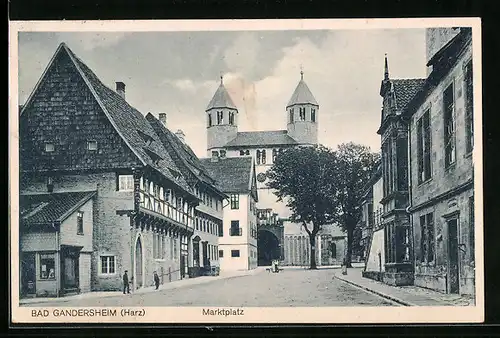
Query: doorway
x,y
70,269
138,263
453,268
28,274
268,248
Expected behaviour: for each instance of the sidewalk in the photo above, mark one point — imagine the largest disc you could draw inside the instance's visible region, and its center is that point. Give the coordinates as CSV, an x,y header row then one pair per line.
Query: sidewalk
x,y
167,286
404,295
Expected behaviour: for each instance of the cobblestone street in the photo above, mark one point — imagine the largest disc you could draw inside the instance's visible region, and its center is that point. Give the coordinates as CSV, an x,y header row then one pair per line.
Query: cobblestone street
x,y
291,287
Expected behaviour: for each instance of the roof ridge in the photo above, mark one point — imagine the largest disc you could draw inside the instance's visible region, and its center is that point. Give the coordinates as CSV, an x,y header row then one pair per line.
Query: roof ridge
x,y
76,61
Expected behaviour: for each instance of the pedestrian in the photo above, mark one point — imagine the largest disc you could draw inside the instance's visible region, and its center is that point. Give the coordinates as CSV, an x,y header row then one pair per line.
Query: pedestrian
x,y
126,286
157,280
344,266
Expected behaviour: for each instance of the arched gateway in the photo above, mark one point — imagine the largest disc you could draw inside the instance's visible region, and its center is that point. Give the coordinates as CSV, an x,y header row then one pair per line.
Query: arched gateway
x,y
269,244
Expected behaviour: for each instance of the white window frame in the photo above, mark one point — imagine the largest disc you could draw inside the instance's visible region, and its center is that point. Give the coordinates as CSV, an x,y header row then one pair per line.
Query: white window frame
x,y
125,182
91,142
48,148
101,273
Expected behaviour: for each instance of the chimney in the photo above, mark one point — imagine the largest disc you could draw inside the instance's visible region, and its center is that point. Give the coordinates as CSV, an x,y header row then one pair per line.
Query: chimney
x,y
163,118
120,89
215,156
180,134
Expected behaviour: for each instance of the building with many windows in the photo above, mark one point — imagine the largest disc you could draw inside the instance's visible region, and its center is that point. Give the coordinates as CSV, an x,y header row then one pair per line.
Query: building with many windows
x,y
79,138
441,133
208,213
238,233
427,178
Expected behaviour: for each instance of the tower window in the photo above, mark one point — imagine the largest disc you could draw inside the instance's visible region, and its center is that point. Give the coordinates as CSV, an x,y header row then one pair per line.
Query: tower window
x,y
313,115
302,114
291,115
220,117
209,120
261,156
231,118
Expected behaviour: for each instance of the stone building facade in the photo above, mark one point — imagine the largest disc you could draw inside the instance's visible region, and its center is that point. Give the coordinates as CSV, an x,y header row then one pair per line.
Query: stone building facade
x,y
396,93
442,171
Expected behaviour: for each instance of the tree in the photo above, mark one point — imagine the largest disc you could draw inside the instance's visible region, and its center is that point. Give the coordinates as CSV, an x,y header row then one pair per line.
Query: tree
x,y
354,164
304,178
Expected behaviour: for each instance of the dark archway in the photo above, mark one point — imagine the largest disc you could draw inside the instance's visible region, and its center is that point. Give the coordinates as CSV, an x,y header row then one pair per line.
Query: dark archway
x,y
268,248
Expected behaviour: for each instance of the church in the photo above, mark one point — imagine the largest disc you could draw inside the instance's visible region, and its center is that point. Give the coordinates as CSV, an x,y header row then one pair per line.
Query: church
x,y
278,238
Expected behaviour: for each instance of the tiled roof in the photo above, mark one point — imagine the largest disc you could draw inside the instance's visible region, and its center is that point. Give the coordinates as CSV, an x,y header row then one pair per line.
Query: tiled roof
x,y
405,90
183,152
48,208
232,174
301,95
221,99
261,138
131,125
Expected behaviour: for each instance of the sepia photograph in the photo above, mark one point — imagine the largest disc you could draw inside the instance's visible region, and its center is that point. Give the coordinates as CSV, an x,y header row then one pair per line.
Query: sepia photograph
x,y
246,171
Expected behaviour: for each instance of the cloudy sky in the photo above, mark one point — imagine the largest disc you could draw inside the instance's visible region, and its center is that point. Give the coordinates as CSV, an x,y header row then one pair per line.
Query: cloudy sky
x,y
178,72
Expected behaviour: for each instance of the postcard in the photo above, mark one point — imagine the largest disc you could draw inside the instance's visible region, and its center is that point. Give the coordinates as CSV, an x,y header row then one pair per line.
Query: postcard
x,y
246,171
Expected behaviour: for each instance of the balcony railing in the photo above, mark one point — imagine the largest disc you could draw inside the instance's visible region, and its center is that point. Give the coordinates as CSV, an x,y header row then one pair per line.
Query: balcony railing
x,y
234,231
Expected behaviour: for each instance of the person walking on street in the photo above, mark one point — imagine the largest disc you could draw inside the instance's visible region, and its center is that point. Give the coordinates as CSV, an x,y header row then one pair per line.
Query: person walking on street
x,y
126,286
157,280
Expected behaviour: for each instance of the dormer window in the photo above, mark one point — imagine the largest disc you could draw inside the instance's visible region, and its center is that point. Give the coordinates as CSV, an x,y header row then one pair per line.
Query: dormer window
x,y
92,145
302,114
49,147
220,117
146,138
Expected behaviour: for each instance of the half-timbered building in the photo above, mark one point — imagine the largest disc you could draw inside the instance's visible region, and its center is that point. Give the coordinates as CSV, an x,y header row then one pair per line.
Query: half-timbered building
x,y
78,135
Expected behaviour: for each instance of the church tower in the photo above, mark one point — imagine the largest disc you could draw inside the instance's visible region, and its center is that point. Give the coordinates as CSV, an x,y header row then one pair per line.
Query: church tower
x,y
222,119
302,114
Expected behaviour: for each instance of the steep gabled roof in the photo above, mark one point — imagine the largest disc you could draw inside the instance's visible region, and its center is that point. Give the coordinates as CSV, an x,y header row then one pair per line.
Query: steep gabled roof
x,y
232,174
261,138
47,209
405,90
302,95
128,122
183,153
221,99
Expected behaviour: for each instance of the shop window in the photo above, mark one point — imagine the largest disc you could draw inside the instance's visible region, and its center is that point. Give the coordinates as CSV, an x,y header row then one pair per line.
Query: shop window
x,y
47,266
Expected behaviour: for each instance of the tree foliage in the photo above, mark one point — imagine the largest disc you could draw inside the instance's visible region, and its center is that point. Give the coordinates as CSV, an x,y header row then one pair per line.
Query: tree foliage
x,y
321,186
354,165
303,178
